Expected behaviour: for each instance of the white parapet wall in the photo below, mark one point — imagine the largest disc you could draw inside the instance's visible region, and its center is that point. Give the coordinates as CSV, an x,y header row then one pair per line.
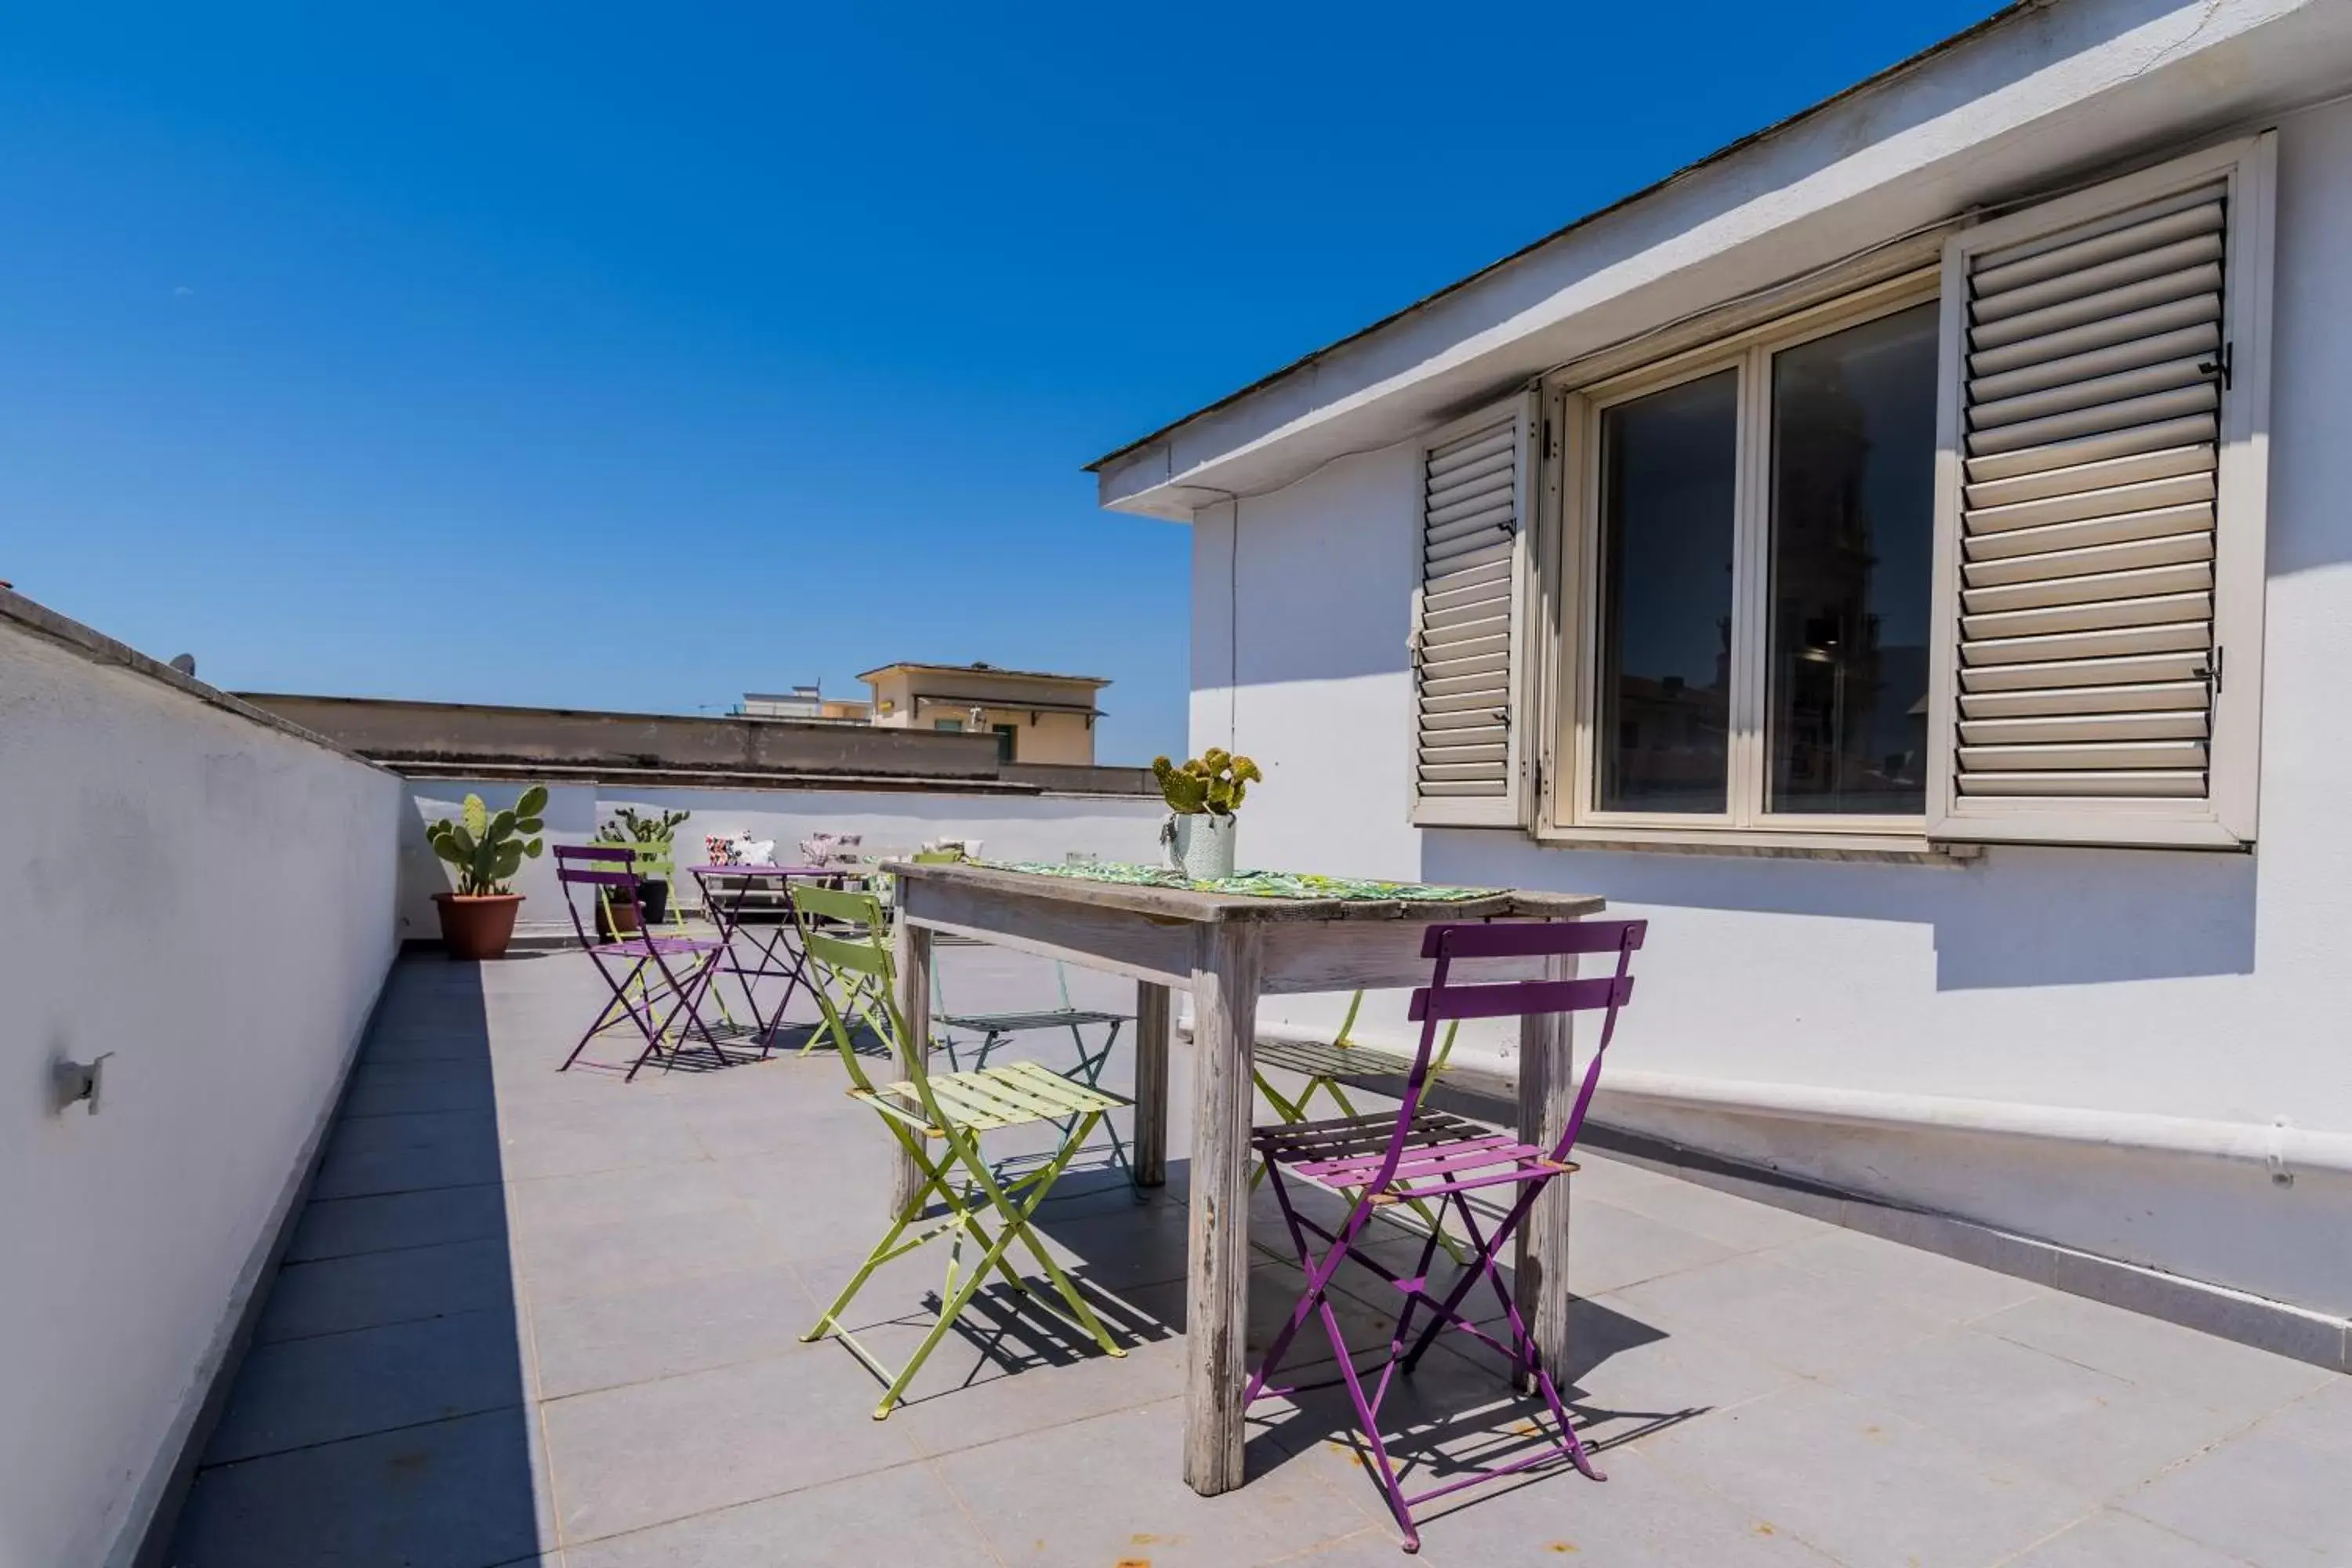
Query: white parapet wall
x,y
1008,826
203,898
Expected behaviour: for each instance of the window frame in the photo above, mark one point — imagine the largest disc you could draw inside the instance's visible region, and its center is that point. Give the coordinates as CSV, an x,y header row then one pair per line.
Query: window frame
x,y
1569,522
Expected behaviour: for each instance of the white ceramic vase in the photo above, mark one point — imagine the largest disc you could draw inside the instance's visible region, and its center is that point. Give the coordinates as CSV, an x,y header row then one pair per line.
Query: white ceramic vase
x,y
1201,845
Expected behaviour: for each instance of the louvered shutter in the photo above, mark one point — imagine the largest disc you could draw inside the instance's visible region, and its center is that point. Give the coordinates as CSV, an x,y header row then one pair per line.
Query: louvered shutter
x,y
1467,621
2100,527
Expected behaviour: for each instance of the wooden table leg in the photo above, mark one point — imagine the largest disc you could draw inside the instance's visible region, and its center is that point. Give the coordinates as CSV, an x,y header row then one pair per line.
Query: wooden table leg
x,y
1216,1307
912,960
1540,1265
1151,1024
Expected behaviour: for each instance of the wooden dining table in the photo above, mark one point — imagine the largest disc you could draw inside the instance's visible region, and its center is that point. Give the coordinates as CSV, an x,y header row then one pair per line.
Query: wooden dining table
x,y
1227,950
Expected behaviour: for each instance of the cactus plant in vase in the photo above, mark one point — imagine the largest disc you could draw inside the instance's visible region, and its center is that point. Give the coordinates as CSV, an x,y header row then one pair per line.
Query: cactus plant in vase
x,y
477,919
1204,796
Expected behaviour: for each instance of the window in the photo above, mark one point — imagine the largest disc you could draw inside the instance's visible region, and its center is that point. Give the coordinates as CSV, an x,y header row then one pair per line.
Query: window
x,y
1852,548
1963,557
1668,493
1761,542
947,724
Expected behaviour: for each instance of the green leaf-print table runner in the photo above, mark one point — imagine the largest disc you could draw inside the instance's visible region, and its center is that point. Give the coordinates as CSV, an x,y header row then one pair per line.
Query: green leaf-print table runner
x,y
1247,884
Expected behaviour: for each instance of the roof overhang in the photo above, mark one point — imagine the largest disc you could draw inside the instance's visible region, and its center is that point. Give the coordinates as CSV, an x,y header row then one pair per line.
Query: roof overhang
x,y
2043,93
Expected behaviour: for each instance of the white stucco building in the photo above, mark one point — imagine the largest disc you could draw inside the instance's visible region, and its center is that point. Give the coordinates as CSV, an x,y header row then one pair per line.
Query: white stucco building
x,y
1904,557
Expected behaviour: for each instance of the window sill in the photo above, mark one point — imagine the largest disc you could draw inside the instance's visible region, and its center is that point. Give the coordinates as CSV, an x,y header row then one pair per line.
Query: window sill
x,y
1889,848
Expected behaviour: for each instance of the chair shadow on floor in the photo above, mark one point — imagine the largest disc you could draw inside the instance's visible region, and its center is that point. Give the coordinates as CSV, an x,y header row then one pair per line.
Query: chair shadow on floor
x,y
1457,1413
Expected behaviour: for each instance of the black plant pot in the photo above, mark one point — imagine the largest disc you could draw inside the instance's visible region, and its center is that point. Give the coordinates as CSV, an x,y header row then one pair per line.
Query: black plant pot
x,y
653,898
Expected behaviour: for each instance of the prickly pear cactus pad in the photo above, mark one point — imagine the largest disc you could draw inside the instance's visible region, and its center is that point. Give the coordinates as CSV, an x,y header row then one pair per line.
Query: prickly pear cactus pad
x,y
1248,884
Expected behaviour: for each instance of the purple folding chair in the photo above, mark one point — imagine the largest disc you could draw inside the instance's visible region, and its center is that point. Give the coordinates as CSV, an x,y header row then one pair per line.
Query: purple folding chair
x,y
1415,1155
660,999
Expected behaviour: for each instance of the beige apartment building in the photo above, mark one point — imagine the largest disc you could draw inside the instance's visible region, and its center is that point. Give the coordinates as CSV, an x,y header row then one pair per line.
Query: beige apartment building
x,y
1036,717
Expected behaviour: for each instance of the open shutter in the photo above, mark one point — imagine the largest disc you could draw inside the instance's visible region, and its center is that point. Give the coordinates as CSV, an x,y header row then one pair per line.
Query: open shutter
x,y
2100,519
1468,617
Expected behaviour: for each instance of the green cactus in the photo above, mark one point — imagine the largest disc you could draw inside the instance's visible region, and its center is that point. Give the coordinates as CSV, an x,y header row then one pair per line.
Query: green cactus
x,y
487,849
1215,782
634,828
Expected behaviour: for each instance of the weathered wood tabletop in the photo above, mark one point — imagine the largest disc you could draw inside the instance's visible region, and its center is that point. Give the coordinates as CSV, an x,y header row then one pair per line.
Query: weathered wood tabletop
x,y
1227,950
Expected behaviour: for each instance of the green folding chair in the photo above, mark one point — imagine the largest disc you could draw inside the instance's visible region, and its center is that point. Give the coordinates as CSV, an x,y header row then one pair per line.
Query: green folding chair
x,y
1323,1064
938,1121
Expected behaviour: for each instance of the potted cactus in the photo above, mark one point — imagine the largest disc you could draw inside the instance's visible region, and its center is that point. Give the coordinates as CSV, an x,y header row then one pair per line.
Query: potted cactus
x,y
1203,794
627,826
488,848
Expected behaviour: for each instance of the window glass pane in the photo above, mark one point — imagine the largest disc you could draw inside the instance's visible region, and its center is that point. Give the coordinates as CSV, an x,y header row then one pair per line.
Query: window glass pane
x,y
1853,455
1668,462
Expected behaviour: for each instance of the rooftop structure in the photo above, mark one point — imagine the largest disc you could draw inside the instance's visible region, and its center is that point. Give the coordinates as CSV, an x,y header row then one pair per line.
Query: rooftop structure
x,y
1037,717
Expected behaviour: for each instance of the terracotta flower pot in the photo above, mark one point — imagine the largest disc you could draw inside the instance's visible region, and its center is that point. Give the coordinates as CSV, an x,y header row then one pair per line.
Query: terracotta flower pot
x,y
615,917
478,926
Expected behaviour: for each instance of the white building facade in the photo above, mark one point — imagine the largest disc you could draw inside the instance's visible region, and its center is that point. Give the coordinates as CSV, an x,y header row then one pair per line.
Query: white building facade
x,y
1904,558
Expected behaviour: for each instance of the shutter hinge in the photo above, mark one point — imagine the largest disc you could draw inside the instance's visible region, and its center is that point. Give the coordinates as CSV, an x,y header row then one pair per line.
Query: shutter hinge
x,y
1551,439
2214,675
2218,367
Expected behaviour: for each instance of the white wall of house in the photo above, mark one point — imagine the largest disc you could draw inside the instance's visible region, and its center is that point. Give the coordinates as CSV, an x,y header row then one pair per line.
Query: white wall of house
x,y
2186,1000
210,900
1009,826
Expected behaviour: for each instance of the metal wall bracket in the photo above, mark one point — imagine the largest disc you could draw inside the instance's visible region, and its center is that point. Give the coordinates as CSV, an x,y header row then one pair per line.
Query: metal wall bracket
x,y
77,1083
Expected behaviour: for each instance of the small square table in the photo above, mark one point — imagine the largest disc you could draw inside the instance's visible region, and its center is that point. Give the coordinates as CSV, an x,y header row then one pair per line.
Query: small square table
x,y
780,953
1227,949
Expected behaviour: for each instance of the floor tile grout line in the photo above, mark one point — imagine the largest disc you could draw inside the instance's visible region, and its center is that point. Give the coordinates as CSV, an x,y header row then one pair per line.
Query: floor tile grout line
x,y
2323,1376
385,1251
987,1543
361,1437
911,1461
1692,1478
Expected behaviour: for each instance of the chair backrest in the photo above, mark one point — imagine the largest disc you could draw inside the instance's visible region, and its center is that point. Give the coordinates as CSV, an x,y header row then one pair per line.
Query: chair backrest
x,y
609,868
657,858
866,953
1446,999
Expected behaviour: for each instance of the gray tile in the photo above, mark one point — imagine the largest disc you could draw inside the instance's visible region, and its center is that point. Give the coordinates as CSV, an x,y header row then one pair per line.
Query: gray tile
x,y
535,1150
1610,1248
300,1392
1739,1224
667,1328
1643,1513
1008,1370
2263,1497
1110,1490
452,1494
2112,1540
2322,1418
390,1089
550,1203
1782,1314
343,1227
626,1458
2087,1429
630,1251
2164,1358
1631,1378
902,1515
1864,1486
413,1129
1942,1287
406,1154
335,1295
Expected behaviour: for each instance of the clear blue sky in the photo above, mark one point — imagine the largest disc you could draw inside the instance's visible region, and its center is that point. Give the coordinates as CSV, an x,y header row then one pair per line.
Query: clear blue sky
x,y
634,357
